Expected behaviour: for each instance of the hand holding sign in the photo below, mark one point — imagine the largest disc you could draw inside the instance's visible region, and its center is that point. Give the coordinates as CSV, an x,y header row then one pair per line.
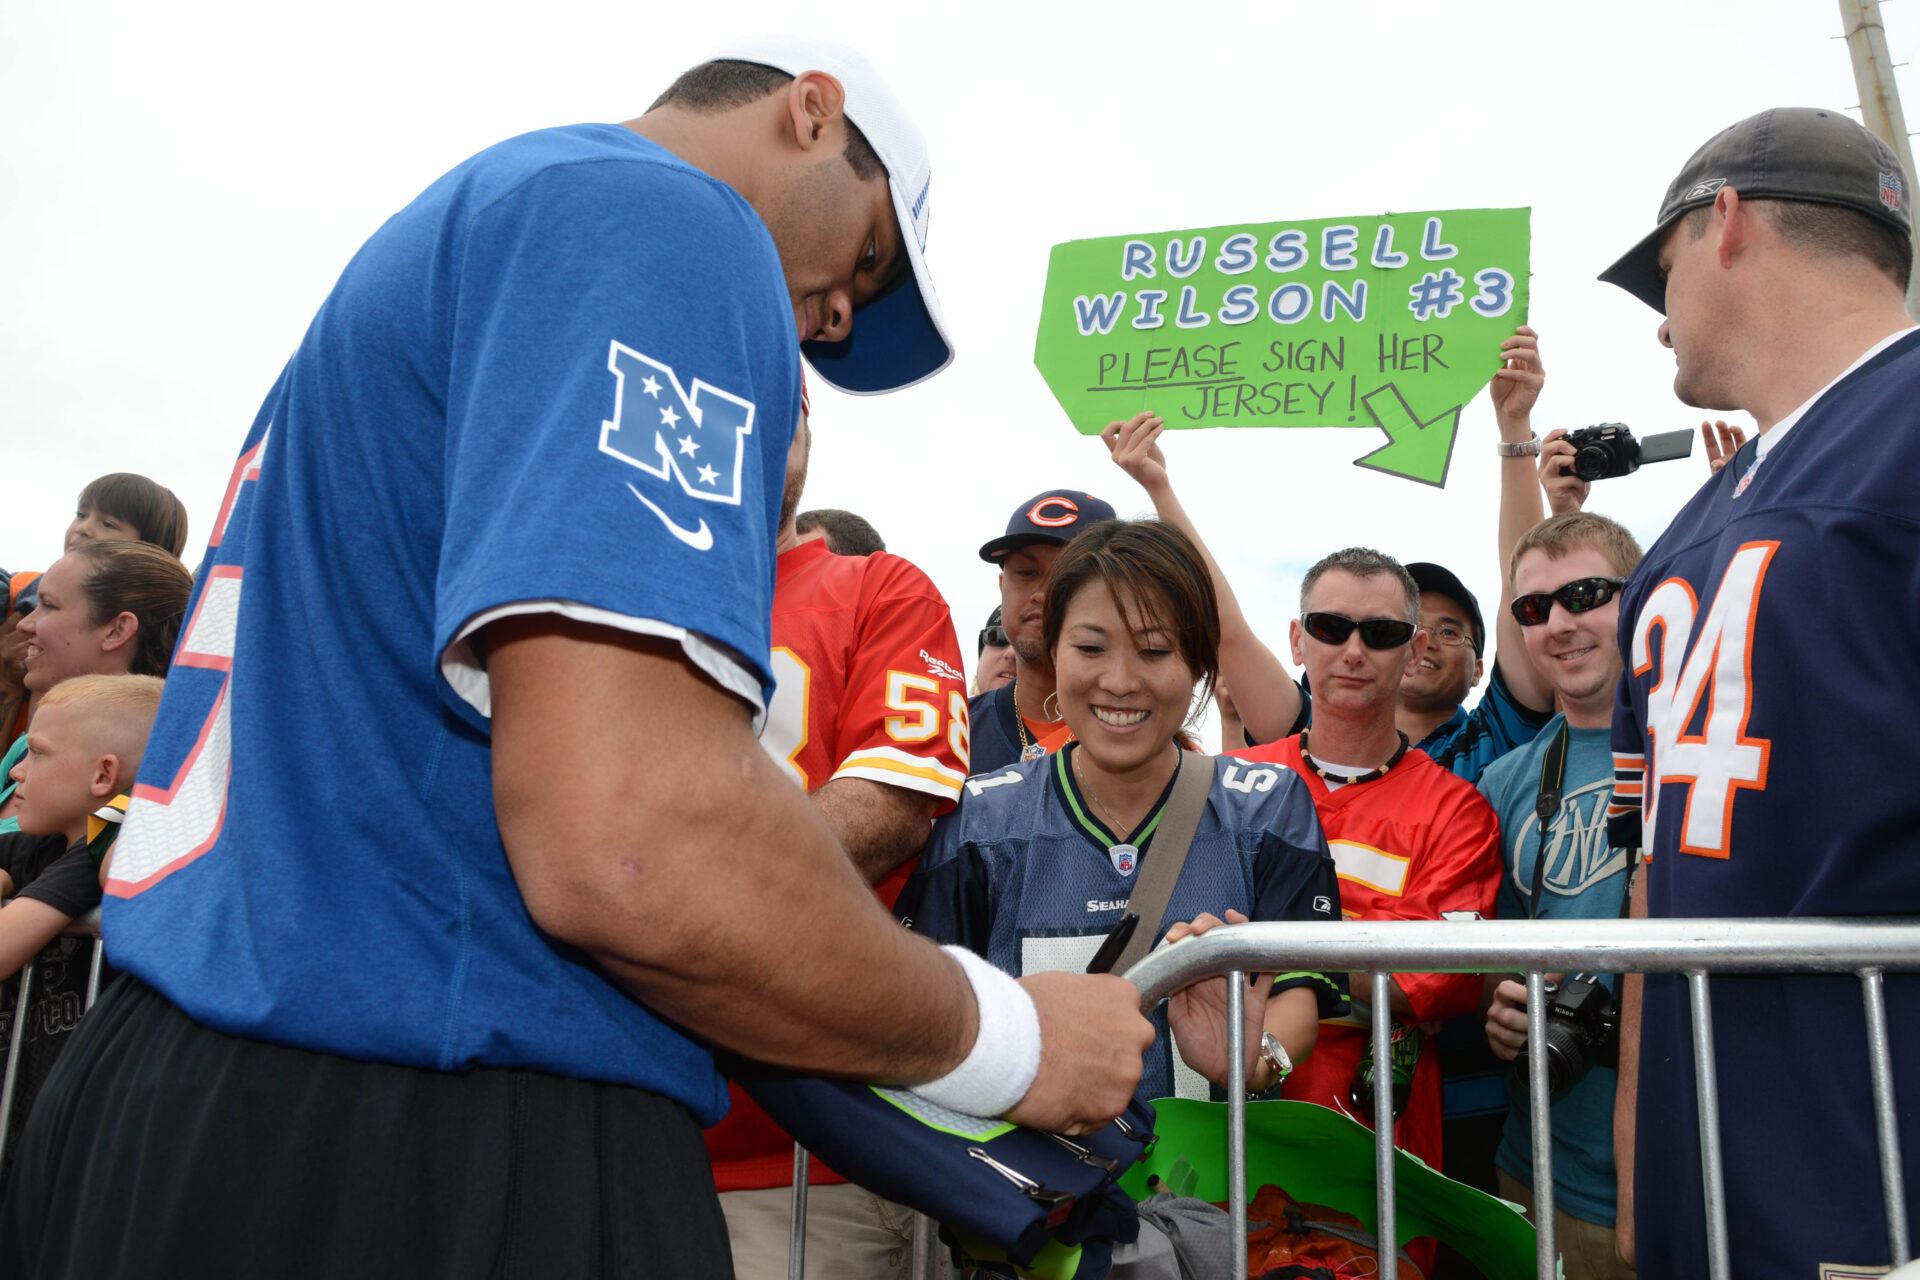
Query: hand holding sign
x,y
1291,324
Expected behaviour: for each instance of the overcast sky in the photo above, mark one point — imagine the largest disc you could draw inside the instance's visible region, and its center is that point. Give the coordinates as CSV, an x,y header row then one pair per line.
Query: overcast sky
x,y
180,184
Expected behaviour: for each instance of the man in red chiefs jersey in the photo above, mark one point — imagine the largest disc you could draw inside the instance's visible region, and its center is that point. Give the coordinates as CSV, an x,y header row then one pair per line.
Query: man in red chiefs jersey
x,y
870,716
1410,841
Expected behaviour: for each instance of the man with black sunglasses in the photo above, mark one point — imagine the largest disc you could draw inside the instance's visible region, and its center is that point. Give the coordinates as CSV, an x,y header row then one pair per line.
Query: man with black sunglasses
x,y
1565,577
1766,723
1410,840
995,663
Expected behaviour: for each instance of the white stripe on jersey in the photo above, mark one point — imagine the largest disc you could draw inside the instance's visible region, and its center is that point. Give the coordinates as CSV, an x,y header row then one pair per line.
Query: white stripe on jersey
x,y
898,768
1364,864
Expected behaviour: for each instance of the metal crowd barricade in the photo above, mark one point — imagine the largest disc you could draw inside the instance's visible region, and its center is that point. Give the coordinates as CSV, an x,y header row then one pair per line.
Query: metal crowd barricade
x,y
86,926
1867,948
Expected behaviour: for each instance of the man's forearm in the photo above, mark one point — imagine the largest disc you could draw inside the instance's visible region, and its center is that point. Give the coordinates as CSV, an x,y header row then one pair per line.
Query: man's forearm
x,y
1521,508
879,826
1627,1088
715,892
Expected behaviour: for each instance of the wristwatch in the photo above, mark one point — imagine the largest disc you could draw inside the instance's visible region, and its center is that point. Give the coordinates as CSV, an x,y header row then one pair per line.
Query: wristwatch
x,y
1525,449
1274,1054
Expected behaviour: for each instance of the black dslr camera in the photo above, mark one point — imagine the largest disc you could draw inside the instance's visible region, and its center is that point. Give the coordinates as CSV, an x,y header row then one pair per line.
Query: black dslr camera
x,y
1609,450
1579,1031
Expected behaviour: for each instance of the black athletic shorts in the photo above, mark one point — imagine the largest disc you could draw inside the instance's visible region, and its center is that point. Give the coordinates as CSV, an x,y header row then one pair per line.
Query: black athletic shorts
x,y
162,1148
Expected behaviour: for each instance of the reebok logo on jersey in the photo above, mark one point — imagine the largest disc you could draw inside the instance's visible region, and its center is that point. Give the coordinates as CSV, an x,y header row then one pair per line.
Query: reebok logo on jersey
x,y
694,437
938,669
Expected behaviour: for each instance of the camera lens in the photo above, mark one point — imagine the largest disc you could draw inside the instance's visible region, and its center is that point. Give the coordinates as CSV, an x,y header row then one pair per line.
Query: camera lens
x,y
1591,462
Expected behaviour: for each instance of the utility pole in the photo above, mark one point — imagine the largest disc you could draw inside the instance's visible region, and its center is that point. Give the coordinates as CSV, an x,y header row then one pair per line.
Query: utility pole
x,y
1879,97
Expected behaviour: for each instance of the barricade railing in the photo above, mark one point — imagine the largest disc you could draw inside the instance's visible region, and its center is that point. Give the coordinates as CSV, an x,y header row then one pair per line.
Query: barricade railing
x,y
86,926
1868,948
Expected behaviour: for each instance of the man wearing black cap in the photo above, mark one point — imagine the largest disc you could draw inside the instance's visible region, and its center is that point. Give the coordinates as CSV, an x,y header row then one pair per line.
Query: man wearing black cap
x,y
1019,720
1763,739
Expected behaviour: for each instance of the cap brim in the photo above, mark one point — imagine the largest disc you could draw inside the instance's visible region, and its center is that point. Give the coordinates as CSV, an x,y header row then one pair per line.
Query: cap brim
x,y
997,550
898,339
1638,270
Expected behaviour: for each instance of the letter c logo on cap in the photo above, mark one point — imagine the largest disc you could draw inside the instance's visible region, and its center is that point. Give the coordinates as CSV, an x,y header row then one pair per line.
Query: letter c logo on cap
x,y
1041,516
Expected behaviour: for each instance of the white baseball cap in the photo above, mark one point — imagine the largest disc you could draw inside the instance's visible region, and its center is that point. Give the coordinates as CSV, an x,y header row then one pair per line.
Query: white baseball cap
x,y
898,339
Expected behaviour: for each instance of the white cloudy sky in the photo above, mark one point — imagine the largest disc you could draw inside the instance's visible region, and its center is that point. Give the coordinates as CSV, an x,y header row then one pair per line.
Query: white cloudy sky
x,y
179,185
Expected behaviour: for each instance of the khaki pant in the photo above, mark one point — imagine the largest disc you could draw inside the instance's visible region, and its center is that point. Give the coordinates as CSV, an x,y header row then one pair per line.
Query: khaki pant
x,y
1586,1248
852,1234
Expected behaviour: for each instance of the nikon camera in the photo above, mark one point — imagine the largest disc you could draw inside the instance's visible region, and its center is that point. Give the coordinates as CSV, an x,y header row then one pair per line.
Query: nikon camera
x,y
1609,450
1579,1031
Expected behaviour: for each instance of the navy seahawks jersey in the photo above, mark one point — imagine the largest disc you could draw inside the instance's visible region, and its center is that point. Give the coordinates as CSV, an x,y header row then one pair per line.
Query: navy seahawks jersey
x,y
1023,874
1766,754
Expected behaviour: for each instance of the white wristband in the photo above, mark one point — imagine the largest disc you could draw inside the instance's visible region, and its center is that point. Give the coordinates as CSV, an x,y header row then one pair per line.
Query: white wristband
x,y
1005,1057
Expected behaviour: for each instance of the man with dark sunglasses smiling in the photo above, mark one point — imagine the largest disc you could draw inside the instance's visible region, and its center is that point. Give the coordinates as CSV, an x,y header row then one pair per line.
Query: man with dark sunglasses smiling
x,y
1410,840
1566,574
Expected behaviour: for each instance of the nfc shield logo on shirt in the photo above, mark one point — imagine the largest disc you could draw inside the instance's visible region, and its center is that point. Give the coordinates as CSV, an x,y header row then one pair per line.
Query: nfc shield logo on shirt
x,y
692,437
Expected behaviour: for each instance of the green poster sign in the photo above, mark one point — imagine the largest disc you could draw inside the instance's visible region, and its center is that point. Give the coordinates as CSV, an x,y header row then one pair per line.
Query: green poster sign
x,y
1323,1157
1389,324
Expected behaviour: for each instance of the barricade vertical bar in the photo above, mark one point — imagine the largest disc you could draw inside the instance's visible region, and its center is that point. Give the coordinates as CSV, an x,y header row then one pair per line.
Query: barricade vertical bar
x,y
93,972
1387,1226
926,1249
1540,1107
18,1041
1707,1090
1885,1122
1237,1116
797,1242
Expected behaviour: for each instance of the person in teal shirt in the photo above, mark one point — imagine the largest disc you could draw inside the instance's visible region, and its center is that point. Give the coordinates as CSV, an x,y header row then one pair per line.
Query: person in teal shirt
x,y
1566,574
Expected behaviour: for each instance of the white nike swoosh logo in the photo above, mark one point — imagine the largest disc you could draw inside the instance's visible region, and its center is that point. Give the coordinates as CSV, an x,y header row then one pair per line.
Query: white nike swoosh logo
x,y
700,539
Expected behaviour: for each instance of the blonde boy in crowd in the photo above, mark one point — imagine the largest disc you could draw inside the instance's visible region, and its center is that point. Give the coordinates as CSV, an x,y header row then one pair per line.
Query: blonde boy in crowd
x,y
83,751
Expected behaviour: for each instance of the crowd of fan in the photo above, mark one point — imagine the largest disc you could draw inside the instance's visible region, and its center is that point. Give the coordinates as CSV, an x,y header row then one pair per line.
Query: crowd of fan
x,y
1388,654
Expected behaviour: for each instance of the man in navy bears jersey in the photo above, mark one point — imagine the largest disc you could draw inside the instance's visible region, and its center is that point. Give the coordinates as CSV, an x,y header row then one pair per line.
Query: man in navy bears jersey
x,y
448,909
1763,736
1020,720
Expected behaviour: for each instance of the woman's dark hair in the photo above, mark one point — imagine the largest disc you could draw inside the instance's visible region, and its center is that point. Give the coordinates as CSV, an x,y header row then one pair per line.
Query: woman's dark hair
x,y
153,509
141,579
1156,575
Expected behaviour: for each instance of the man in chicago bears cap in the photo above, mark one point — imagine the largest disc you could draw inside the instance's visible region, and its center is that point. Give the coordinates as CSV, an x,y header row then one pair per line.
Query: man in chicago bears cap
x,y
1763,733
1018,720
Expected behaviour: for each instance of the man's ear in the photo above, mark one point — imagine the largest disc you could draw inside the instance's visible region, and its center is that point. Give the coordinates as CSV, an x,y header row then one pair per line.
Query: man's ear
x,y
1479,669
122,631
1293,638
1733,223
814,101
1416,650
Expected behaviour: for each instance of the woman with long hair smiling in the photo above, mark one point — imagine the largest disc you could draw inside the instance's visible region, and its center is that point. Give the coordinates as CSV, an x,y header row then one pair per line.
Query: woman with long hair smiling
x,y
1039,862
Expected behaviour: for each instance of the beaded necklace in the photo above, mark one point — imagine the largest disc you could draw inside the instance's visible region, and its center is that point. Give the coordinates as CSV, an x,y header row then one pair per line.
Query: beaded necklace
x,y
1349,779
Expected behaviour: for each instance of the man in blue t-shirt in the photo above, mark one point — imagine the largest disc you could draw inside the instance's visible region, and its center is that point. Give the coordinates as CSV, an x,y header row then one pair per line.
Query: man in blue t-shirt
x,y
1763,735
430,916
1566,576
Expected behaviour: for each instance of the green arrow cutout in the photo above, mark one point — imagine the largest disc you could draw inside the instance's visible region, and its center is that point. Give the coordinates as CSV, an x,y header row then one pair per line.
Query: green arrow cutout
x,y
1414,450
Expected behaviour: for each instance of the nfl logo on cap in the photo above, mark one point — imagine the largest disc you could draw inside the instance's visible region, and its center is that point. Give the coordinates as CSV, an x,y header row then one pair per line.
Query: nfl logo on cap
x,y
1890,191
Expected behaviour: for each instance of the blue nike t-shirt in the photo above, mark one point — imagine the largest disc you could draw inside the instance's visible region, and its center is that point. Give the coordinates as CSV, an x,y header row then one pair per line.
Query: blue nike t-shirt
x,y
563,378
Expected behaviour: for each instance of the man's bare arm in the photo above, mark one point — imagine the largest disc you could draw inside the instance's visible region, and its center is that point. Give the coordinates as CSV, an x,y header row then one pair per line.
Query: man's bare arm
x,y
645,824
27,925
1266,697
1627,1090
880,826
1515,389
